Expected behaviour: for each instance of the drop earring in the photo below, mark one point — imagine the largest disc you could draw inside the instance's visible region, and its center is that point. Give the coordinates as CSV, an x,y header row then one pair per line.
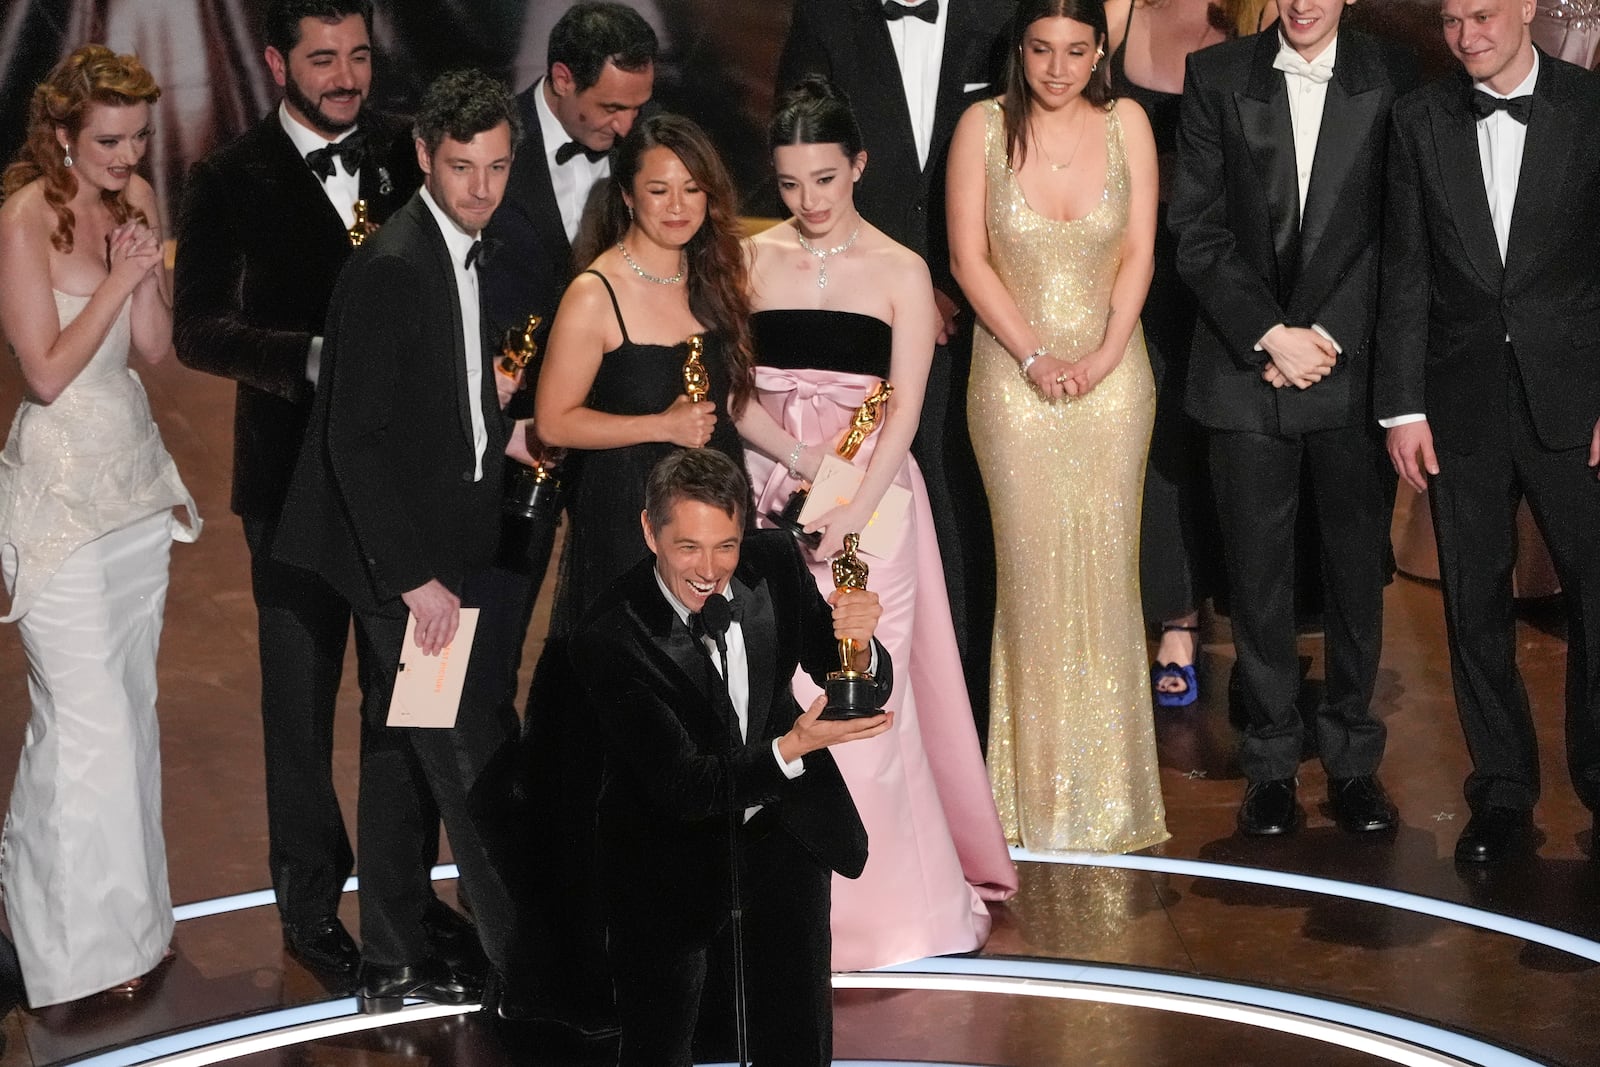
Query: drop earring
x,y
66,157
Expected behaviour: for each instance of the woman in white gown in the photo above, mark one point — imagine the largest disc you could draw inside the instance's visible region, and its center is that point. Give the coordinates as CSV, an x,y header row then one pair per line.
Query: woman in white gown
x,y
87,492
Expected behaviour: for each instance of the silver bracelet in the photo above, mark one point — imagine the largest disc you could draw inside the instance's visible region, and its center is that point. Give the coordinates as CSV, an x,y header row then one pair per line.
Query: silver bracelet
x,y
794,459
1029,360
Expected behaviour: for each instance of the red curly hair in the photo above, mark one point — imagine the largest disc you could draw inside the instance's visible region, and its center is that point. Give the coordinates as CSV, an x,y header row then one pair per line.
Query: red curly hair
x,y
91,75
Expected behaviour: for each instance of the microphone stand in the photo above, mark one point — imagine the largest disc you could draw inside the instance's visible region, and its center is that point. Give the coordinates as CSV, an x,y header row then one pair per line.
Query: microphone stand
x,y
716,628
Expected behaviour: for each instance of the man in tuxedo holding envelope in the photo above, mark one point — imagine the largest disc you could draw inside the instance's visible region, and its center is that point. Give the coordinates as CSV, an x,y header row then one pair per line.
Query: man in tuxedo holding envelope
x,y
704,743
1489,380
394,502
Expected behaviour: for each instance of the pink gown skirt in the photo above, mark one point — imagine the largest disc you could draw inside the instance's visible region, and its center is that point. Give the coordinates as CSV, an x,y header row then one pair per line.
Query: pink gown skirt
x,y
936,851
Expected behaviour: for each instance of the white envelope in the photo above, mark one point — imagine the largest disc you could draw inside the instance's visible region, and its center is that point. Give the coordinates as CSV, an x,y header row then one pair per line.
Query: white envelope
x,y
836,483
427,689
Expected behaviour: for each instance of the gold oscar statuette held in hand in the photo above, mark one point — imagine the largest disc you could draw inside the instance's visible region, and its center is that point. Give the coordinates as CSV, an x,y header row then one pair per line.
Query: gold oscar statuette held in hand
x,y
868,417
532,493
696,382
852,694
515,355
362,227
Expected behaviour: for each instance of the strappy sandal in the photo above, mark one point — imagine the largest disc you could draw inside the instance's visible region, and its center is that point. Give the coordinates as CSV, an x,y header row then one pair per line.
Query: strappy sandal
x,y
1185,673
133,985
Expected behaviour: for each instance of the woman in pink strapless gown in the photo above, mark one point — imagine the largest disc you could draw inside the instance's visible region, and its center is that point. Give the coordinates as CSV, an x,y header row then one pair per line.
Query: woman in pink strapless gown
x,y
828,328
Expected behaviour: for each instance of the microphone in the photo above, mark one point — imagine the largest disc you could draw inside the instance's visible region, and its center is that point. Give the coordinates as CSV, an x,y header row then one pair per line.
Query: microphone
x,y
715,616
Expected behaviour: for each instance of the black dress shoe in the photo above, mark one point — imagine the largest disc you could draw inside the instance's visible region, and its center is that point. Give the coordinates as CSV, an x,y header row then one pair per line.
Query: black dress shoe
x,y
324,945
453,938
515,1002
1360,804
1495,834
1268,808
384,988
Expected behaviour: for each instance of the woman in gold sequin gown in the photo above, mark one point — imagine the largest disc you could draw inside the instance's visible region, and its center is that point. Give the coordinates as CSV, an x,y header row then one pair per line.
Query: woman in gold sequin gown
x,y
1052,198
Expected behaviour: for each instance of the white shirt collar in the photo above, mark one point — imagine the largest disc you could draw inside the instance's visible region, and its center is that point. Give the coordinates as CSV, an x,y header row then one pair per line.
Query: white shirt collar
x,y
457,240
1325,57
305,139
555,135
1524,89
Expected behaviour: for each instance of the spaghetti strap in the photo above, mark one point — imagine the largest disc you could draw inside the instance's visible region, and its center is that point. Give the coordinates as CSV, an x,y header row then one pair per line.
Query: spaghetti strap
x,y
615,307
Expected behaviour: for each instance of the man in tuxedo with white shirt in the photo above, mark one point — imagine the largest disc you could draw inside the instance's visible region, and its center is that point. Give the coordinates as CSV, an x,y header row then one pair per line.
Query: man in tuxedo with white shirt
x,y
1277,208
910,70
1489,380
708,755
262,236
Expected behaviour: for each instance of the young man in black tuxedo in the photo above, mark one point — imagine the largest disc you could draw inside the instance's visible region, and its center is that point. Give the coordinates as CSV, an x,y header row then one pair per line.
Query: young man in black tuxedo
x,y
910,71
1277,208
262,236
1489,380
669,694
394,503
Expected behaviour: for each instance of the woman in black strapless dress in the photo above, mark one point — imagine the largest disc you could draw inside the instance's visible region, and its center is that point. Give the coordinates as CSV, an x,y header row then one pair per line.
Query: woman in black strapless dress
x,y
667,265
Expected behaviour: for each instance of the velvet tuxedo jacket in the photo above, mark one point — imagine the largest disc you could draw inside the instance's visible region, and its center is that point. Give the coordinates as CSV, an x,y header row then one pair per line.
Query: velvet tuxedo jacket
x,y
259,249
670,760
383,497
1244,247
533,264
848,42
1450,304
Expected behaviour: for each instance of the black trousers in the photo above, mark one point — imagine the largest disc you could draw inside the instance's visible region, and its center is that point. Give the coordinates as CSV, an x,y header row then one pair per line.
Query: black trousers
x,y
411,778
1257,478
661,975
1475,498
302,627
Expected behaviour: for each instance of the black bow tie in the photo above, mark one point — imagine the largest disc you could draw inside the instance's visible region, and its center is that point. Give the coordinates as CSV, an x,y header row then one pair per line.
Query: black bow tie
x,y
352,150
927,11
572,148
482,251
1518,107
736,611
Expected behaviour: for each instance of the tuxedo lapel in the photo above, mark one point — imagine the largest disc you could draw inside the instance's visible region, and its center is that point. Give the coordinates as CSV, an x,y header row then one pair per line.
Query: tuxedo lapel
x,y
1264,120
531,189
1455,144
282,165
684,656
440,252
1355,98
761,651
960,39
1552,135
876,51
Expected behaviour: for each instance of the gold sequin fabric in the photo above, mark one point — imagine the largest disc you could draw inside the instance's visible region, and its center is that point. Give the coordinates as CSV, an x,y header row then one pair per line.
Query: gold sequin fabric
x,y
83,466
1072,754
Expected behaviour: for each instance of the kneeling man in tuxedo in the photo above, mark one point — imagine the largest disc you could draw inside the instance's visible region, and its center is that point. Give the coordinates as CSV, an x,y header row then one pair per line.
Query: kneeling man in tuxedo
x,y
707,753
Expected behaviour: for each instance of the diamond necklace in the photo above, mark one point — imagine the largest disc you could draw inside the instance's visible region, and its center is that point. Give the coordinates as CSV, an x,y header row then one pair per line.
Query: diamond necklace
x,y
823,255
646,275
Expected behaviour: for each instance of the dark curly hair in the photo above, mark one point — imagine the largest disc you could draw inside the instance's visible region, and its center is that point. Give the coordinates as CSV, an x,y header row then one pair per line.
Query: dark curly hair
x,y
463,104
91,75
718,279
281,27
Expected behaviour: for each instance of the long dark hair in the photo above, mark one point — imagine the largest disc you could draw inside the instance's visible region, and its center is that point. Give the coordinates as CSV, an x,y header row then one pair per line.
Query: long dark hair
x,y
1018,101
91,75
718,280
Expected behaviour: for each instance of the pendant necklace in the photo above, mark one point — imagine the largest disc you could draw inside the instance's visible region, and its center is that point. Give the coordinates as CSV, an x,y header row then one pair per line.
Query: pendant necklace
x,y
1054,166
646,275
823,255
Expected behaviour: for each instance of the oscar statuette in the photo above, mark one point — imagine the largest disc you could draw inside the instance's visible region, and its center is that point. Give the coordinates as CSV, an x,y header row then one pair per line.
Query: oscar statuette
x,y
852,694
696,382
532,499
362,227
868,417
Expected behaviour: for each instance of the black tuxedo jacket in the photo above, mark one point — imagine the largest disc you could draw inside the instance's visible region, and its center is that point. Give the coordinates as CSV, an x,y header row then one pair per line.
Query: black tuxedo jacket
x,y
670,759
533,264
848,42
1244,247
259,249
1449,304
383,497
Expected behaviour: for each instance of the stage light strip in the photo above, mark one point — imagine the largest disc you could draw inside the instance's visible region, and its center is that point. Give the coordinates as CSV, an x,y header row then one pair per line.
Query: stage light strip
x,y
260,898
1388,1037
1304,883
249,1034
1375,1033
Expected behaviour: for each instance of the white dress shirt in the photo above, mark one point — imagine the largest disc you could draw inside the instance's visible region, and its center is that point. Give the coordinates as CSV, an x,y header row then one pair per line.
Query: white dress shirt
x,y
919,49
342,189
573,179
1500,142
459,243
1307,82
738,679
